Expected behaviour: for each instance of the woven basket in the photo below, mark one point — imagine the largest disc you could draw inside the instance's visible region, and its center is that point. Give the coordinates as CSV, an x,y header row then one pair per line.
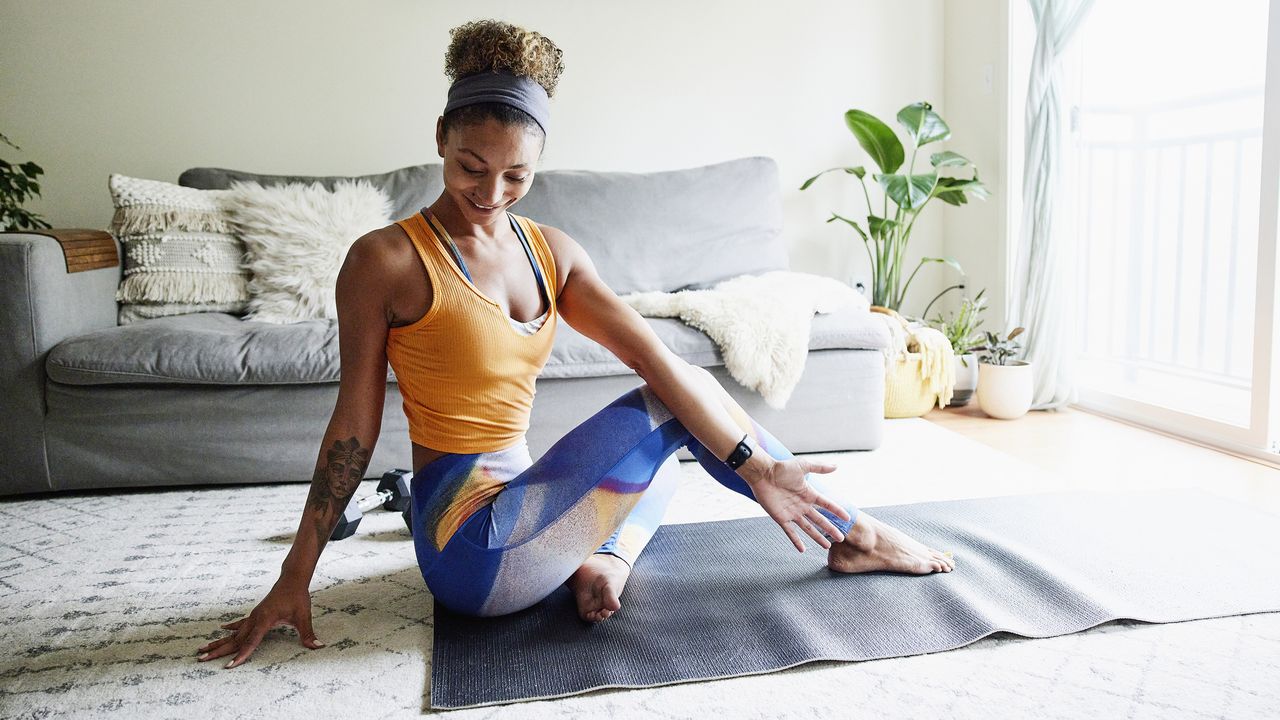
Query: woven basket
x,y
906,394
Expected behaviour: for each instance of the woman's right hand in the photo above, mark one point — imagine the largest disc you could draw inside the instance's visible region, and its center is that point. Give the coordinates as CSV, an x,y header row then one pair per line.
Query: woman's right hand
x,y
790,500
288,604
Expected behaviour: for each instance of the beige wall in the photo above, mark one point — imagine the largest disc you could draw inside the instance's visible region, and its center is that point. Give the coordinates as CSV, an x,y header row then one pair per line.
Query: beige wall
x,y
149,88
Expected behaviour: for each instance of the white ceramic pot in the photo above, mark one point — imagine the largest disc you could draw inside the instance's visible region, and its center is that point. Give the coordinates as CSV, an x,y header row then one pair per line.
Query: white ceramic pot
x,y
966,379
1004,391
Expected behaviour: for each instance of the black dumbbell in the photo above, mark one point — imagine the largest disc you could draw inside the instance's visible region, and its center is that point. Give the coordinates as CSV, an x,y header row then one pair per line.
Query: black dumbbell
x,y
392,494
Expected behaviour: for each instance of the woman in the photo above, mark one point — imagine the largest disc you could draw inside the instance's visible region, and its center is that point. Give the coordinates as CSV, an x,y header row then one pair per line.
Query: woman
x,y
463,299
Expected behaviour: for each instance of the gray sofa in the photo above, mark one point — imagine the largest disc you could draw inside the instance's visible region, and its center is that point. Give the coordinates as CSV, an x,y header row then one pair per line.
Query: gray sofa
x,y
210,398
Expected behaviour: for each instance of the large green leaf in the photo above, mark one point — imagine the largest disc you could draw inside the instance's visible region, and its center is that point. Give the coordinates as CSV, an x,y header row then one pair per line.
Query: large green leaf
x,y
908,191
877,139
859,171
880,227
852,223
949,159
923,124
955,191
948,261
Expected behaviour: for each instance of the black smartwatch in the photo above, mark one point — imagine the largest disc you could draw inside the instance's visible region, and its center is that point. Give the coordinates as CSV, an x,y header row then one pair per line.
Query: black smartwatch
x,y
739,454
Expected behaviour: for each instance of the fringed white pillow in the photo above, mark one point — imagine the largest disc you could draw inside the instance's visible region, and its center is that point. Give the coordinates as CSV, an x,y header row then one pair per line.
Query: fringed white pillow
x,y
179,254
296,238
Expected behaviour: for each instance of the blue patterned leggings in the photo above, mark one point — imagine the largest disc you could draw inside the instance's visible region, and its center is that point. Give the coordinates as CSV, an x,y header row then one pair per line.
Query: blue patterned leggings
x,y
495,532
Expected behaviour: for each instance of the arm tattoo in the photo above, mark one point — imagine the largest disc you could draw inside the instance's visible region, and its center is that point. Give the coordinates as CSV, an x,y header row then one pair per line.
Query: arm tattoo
x,y
333,484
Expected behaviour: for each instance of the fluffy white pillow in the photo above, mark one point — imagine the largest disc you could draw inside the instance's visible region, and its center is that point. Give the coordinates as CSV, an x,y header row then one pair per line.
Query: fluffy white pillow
x,y
296,237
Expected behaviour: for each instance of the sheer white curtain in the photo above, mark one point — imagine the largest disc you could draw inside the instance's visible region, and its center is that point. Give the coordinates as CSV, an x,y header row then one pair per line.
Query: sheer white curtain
x,y
1043,294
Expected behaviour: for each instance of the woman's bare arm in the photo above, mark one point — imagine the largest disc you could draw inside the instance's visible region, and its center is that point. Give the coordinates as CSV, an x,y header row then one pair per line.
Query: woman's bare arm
x,y
357,415
592,308
363,320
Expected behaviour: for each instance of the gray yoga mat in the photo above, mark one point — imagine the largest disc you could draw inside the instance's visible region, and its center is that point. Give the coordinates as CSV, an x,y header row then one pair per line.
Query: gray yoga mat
x,y
722,599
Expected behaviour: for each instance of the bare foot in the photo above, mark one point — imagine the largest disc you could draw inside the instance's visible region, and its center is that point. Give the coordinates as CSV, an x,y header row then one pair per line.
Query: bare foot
x,y
873,545
597,585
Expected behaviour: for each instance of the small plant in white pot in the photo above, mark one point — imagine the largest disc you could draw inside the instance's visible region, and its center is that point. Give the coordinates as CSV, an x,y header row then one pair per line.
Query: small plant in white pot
x,y
1004,384
962,331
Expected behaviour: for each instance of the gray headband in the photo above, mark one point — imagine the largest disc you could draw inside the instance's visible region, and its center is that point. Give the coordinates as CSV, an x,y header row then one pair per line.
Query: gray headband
x,y
523,93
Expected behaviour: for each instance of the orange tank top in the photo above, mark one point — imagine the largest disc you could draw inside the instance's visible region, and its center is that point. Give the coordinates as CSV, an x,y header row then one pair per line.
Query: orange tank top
x,y
465,374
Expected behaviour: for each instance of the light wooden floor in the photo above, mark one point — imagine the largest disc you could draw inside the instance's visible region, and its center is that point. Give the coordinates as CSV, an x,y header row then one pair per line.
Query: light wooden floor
x,y
1096,452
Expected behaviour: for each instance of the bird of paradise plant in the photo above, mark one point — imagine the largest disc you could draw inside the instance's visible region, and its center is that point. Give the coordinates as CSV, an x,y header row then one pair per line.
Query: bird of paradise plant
x,y
910,192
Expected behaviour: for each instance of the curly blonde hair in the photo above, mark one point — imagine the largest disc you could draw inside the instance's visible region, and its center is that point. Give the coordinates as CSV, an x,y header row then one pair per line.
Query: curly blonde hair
x,y
492,45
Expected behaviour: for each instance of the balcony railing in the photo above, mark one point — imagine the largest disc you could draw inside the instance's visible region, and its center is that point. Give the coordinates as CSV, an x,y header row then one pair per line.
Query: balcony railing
x,y
1166,208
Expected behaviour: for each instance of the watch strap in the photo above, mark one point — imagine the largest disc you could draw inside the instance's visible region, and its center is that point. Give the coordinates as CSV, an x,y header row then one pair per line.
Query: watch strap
x,y
739,454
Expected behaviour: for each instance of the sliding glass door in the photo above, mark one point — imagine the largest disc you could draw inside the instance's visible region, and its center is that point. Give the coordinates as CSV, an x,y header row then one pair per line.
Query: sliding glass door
x,y
1172,166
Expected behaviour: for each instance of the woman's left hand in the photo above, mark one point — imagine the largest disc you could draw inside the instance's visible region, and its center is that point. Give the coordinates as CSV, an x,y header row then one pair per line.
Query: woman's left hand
x,y
785,495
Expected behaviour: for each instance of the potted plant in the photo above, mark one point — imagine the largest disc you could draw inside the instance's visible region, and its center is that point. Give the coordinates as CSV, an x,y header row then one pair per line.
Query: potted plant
x,y
962,331
887,233
17,185
1004,384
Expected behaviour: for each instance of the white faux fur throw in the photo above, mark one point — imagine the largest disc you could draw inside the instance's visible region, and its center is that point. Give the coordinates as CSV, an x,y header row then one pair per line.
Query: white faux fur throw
x,y
296,238
760,323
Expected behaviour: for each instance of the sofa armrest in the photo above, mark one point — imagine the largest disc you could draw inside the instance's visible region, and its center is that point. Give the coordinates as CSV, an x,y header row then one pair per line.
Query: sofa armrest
x,y
51,287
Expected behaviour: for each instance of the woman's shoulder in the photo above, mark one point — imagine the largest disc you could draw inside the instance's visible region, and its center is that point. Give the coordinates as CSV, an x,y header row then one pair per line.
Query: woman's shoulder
x,y
382,268
563,249
385,258
557,240
388,248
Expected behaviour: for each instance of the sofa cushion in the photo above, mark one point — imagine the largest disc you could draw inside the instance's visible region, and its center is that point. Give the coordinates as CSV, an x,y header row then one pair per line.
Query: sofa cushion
x,y
668,230
221,349
179,251
201,348
296,240
644,231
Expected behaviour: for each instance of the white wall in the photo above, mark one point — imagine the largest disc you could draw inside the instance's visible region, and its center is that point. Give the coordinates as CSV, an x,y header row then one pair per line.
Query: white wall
x,y
977,108
150,88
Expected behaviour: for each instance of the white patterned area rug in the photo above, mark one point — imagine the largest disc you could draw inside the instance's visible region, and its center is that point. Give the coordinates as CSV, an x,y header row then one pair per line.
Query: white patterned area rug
x,y
105,597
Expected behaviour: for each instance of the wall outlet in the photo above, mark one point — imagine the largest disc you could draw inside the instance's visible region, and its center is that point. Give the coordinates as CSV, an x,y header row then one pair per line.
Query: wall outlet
x,y
861,283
